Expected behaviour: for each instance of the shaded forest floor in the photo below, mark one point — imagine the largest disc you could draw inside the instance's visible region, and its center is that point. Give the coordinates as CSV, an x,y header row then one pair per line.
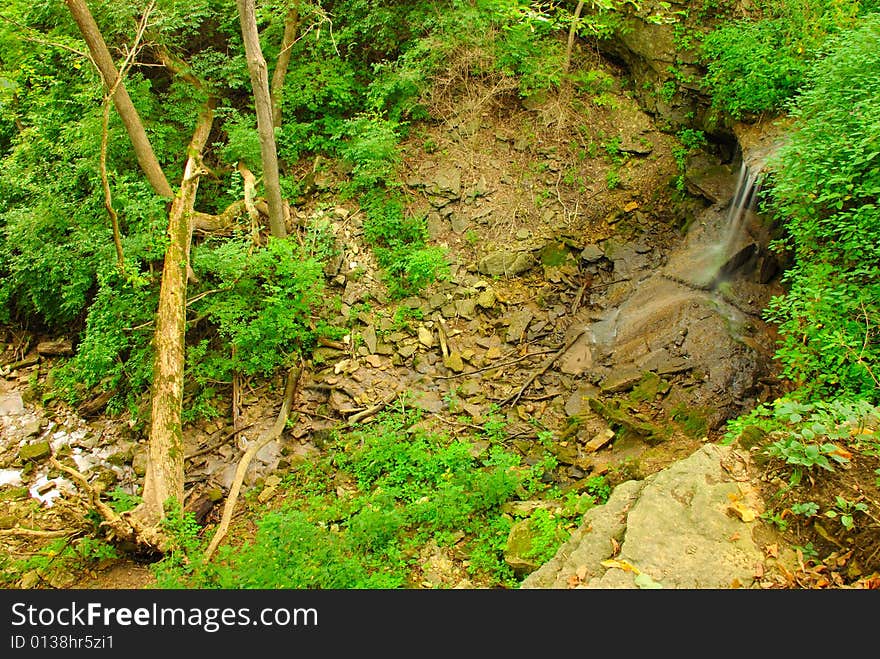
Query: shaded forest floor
x,y
494,177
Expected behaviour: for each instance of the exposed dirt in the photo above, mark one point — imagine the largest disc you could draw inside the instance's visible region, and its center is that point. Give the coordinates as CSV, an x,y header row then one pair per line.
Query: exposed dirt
x,y
571,171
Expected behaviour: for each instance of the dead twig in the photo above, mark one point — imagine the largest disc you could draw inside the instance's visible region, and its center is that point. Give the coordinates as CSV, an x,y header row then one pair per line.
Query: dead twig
x,y
493,366
370,411
236,393
218,444
37,533
547,364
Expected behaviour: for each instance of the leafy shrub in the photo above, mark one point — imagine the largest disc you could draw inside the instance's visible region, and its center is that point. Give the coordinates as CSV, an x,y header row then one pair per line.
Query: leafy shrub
x,y
398,240
547,535
358,517
243,142
751,67
528,51
824,189
756,65
690,142
807,434
370,145
263,304
115,352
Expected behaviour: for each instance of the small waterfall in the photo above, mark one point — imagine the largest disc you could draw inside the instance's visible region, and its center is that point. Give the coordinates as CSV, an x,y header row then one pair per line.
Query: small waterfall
x,y
733,249
744,200
720,244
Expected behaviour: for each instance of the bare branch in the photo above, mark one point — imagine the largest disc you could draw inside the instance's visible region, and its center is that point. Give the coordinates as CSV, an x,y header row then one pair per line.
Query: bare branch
x,y
105,179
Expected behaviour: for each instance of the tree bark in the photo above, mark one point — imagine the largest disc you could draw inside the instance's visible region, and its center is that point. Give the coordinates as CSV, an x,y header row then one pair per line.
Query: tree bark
x,y
276,91
572,31
263,106
127,112
164,479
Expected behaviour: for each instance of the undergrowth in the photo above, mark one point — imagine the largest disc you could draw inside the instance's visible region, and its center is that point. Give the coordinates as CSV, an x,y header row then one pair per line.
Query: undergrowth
x,y
363,514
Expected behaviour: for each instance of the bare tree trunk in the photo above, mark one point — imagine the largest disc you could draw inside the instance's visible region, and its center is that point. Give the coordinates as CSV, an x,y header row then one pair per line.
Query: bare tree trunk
x,y
291,30
571,32
127,112
164,479
263,106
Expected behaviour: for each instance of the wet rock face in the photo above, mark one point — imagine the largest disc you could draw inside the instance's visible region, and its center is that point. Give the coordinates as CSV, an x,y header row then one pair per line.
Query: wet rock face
x,y
691,315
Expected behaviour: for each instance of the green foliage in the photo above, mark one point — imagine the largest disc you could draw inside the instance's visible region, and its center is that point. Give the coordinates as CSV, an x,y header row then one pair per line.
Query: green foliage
x,y
368,144
598,488
845,510
243,142
528,50
263,304
751,66
184,557
121,501
602,19
321,95
115,352
807,434
399,242
358,517
690,142
755,65
57,560
546,535
807,508
824,188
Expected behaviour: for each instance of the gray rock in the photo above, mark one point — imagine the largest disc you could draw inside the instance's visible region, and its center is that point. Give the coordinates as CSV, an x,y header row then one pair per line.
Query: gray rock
x,y
426,336
370,339
465,307
519,321
503,263
486,299
32,427
579,357
11,404
436,226
139,462
460,224
592,254
622,379
673,528
446,184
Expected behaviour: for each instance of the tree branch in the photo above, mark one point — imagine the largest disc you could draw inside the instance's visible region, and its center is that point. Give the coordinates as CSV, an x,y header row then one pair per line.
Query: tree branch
x,y
273,432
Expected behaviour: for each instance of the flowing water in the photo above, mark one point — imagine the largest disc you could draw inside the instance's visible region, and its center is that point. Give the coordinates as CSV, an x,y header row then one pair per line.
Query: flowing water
x,y
699,313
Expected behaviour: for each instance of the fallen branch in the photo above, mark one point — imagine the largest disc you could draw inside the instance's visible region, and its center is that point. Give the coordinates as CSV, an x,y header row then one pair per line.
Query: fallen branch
x,y
37,533
28,361
370,411
492,367
273,432
218,444
443,334
547,364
